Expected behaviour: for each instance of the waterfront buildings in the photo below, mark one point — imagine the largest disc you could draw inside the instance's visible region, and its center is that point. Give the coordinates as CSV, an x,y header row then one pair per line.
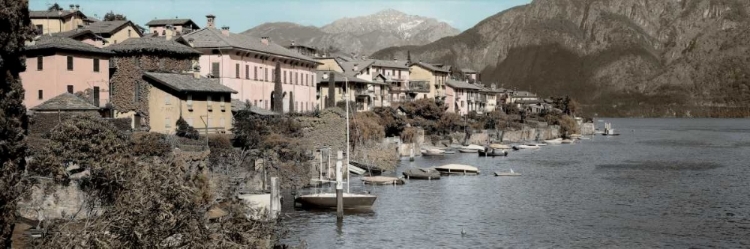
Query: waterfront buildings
x,y
55,21
427,81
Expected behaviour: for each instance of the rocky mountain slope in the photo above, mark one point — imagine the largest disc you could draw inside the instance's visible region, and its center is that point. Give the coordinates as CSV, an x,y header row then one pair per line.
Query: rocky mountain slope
x,y
618,57
362,35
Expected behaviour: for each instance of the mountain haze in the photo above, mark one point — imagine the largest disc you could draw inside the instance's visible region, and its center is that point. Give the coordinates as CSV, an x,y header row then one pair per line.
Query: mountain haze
x,y
362,35
623,57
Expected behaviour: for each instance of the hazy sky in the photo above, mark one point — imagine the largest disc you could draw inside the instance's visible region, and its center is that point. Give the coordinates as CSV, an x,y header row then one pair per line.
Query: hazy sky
x,y
241,15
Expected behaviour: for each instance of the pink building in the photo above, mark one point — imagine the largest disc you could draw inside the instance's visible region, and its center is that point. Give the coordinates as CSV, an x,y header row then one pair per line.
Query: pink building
x,y
462,96
159,27
246,64
83,35
56,65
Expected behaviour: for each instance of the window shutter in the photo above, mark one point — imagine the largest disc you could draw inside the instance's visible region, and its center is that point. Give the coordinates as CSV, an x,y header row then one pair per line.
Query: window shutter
x,y
41,94
96,65
96,96
190,102
247,72
70,63
237,70
255,73
215,70
39,63
208,103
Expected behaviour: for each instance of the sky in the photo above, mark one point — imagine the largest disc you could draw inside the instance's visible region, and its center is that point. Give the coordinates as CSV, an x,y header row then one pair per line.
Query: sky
x,y
241,15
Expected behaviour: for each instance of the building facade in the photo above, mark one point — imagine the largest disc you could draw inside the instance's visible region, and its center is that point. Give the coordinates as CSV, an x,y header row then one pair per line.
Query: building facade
x,y
435,77
246,64
114,32
159,27
56,65
48,22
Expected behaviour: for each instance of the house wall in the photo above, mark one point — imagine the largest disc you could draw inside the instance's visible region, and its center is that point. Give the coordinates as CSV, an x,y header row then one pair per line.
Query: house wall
x,y
393,72
166,107
258,87
54,78
58,25
421,74
122,35
329,64
160,29
491,102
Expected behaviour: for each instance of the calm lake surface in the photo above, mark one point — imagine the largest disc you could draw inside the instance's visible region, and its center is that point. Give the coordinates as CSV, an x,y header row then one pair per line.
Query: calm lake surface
x,y
662,183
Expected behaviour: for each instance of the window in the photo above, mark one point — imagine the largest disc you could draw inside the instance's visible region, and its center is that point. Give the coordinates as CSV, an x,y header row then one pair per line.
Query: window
x,y
255,73
368,71
96,96
399,74
247,72
39,63
96,65
255,103
129,32
296,78
284,81
209,105
222,122
41,94
393,72
221,102
190,102
215,70
296,105
70,63
167,122
237,70
265,75
70,88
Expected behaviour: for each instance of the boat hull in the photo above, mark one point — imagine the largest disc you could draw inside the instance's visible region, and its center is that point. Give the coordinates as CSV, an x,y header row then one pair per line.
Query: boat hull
x,y
383,180
421,174
455,169
468,150
328,201
507,174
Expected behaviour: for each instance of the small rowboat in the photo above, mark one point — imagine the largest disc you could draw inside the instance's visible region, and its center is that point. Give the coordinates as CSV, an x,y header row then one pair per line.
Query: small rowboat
x,y
422,174
433,152
382,180
457,169
554,141
468,150
500,146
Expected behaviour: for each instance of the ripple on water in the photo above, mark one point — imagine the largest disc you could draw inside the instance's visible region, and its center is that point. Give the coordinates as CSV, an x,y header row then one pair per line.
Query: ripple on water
x,y
660,165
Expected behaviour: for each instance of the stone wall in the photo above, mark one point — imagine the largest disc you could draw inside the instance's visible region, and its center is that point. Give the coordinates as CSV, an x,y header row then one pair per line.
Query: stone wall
x,y
588,129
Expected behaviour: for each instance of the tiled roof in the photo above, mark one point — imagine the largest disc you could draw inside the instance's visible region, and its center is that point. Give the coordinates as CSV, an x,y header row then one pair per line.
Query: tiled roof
x,y
65,102
431,67
74,33
457,84
390,64
163,22
188,83
152,45
340,77
52,14
238,105
348,66
107,27
213,38
63,43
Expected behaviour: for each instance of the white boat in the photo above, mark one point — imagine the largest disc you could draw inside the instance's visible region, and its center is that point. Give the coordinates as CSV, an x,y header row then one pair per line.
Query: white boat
x,y
468,150
457,169
554,141
567,141
511,173
383,180
525,147
500,146
328,200
538,144
433,152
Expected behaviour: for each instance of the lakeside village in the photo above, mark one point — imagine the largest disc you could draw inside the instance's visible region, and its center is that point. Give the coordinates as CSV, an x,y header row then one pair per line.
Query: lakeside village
x,y
173,134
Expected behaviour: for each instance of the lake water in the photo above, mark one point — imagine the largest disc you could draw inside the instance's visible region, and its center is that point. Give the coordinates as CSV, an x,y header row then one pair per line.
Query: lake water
x,y
662,183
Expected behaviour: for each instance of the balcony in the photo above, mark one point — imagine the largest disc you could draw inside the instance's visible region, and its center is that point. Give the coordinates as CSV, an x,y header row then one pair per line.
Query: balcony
x,y
362,92
419,86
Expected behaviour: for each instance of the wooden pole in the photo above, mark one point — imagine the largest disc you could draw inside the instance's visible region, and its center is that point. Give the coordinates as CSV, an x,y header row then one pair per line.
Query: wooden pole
x,y
275,200
339,188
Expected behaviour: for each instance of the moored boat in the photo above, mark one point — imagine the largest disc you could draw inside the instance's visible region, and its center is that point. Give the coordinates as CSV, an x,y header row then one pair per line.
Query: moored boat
x,y
383,180
328,200
554,141
500,146
525,147
457,169
468,150
498,152
433,152
421,174
567,141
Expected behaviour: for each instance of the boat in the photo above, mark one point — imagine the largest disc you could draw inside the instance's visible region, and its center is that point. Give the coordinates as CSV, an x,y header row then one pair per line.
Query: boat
x,y
511,173
457,169
608,130
383,180
538,144
328,201
498,152
421,174
554,141
468,150
449,152
433,152
372,170
525,146
567,141
500,146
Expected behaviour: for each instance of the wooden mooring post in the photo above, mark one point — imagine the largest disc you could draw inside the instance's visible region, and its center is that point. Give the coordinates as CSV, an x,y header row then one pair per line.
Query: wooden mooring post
x,y
339,187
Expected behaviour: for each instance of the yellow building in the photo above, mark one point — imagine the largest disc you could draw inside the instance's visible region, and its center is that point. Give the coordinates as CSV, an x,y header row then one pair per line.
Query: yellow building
x,y
434,76
114,32
203,103
58,20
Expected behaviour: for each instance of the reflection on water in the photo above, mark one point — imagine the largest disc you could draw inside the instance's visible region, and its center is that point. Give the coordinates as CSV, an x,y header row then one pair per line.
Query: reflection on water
x,y
663,183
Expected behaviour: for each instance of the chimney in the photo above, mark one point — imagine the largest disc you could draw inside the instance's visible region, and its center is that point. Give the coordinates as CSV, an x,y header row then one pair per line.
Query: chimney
x,y
225,30
78,7
72,7
264,40
210,21
292,42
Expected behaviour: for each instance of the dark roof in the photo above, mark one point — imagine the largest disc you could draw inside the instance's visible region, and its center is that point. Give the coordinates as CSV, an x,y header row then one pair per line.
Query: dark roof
x,y
65,102
461,85
490,90
348,66
63,43
188,83
75,33
213,38
53,14
152,45
431,67
339,77
110,27
164,22
470,71
390,64
92,19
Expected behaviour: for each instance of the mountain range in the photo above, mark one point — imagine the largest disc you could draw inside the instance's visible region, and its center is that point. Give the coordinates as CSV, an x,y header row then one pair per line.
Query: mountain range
x,y
617,57
361,35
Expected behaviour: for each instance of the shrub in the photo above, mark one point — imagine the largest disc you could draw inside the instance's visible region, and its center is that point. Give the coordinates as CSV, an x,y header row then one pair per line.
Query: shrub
x,y
409,135
150,144
393,123
435,139
185,130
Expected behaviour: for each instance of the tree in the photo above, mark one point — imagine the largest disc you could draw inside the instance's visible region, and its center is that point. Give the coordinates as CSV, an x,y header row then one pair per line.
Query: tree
x,y
278,94
185,130
14,31
331,90
111,16
55,7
